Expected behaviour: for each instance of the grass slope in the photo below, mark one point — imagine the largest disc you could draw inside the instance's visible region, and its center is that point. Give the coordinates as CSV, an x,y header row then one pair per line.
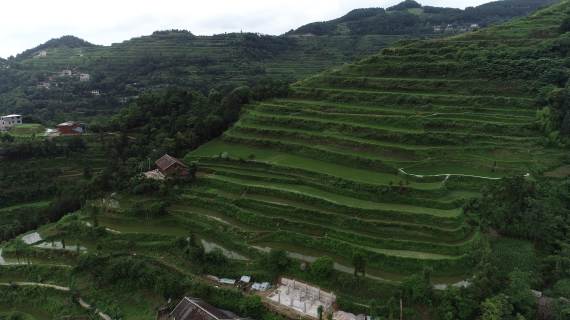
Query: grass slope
x,y
320,171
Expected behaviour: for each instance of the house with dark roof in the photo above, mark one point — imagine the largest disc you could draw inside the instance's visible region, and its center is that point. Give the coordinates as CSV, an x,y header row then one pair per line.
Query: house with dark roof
x,y
170,166
197,309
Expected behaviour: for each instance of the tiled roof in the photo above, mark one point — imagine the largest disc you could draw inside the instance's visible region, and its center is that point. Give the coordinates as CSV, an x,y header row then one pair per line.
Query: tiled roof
x,y
196,309
168,161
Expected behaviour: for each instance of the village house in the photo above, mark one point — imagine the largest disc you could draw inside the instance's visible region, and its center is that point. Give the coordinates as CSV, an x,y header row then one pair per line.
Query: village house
x,y
84,77
95,92
170,166
9,121
41,54
197,309
66,73
70,128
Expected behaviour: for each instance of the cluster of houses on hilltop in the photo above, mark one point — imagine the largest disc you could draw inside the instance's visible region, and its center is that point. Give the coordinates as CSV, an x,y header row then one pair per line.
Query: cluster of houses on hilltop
x,y
451,28
66,73
10,121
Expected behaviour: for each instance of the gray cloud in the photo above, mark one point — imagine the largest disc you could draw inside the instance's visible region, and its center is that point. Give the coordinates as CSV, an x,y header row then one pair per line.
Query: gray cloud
x,y
27,23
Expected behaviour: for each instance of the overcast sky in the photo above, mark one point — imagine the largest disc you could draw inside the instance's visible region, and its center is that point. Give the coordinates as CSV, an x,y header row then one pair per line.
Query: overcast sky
x,y
25,24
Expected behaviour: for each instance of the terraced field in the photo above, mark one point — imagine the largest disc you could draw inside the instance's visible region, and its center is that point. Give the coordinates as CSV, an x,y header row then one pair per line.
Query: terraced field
x,y
380,155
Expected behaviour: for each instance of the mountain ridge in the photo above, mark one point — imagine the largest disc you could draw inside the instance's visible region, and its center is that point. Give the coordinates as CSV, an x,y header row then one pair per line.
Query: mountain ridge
x,y
410,16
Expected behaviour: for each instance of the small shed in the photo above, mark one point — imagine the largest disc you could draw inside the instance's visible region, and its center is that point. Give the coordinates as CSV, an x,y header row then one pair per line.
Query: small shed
x,y
226,281
171,166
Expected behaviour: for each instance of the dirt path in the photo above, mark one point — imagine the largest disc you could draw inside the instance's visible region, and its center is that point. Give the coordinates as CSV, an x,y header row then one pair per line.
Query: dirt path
x,y
447,175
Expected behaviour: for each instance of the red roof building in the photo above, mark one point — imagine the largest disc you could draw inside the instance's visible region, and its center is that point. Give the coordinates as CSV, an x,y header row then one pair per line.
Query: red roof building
x,y
70,128
171,166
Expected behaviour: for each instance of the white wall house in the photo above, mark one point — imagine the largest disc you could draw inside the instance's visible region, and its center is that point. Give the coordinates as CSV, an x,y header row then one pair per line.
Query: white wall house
x,y
9,121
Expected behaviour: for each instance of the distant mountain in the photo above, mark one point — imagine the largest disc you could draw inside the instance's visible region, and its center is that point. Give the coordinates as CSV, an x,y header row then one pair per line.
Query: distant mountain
x,y
410,17
63,42
70,78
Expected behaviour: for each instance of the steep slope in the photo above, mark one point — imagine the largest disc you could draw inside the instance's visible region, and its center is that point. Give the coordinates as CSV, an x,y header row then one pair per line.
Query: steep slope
x,y
410,17
36,84
379,156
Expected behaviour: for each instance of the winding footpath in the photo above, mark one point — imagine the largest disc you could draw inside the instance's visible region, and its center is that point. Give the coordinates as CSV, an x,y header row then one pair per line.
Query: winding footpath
x,y
82,302
447,175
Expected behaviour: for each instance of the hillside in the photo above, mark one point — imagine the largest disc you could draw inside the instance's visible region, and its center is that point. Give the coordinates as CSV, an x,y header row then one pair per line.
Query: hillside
x,y
410,17
46,81
380,156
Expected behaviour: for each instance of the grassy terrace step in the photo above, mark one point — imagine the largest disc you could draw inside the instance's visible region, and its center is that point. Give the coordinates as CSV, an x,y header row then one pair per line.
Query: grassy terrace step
x,y
305,164
470,87
438,199
456,115
361,147
436,121
334,199
372,108
380,132
423,98
319,152
376,260
449,69
424,192
379,113
277,222
340,138
371,227
366,154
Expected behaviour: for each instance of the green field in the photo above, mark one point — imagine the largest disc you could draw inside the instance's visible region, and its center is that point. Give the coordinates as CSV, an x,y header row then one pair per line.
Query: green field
x,y
28,130
380,155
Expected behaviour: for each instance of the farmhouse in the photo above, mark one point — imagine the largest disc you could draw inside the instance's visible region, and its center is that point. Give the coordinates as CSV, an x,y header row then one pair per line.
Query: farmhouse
x,y
9,121
66,73
70,128
170,166
84,77
196,309
41,54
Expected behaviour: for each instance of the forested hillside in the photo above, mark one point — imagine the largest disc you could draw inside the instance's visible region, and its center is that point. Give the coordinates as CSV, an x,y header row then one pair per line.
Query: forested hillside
x,y
69,78
410,17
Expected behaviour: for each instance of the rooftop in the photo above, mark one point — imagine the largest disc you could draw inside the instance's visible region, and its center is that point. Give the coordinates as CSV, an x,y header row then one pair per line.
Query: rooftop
x,y
168,161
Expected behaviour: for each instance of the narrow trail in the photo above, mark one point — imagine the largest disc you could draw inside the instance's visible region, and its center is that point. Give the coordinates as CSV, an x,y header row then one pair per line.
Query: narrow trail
x,y
447,175
81,302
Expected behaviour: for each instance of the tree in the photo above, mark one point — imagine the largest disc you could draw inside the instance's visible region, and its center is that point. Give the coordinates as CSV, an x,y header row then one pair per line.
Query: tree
x,y
565,26
322,268
359,263
565,126
520,294
320,312
418,288
496,308
277,261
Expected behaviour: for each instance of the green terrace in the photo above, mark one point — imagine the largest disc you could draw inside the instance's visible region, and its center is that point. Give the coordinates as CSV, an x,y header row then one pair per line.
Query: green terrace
x,y
380,155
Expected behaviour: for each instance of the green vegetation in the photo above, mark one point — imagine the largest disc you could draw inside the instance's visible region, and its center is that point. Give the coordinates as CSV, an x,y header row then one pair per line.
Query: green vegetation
x,y
36,85
424,164
410,17
337,167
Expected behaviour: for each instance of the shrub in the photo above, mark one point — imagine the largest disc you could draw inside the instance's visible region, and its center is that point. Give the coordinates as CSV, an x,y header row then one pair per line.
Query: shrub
x,y
322,268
